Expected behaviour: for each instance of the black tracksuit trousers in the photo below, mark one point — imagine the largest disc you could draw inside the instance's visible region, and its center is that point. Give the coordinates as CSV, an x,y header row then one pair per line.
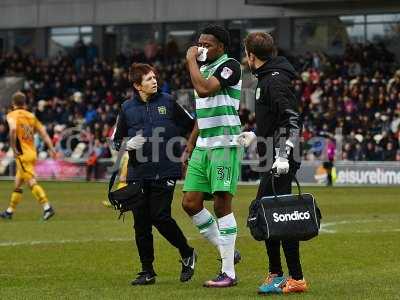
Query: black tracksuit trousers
x,y
283,185
156,210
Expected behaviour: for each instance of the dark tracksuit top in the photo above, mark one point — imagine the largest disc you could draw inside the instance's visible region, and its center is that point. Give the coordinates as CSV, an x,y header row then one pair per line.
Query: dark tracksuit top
x,y
157,175
277,117
276,106
139,117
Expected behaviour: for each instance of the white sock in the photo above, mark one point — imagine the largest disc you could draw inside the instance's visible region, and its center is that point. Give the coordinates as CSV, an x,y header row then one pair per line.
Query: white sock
x,y
10,210
205,222
46,206
228,233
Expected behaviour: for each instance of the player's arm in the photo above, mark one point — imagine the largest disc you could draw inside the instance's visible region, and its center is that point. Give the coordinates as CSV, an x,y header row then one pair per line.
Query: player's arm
x,y
191,143
183,119
45,137
12,124
188,123
193,137
204,87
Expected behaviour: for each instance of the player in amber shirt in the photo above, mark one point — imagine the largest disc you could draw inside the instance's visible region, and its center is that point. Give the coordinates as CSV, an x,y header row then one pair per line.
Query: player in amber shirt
x,y
23,125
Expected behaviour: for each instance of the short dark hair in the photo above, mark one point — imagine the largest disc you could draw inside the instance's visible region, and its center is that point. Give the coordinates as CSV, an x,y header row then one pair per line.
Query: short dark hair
x,y
138,70
261,44
219,32
19,99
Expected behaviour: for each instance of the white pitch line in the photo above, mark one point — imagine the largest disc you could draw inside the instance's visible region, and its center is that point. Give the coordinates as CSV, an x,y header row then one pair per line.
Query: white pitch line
x,y
71,241
45,242
377,230
325,228
354,221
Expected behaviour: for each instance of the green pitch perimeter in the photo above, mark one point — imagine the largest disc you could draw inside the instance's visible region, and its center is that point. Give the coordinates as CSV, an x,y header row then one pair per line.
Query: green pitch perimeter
x,y
84,252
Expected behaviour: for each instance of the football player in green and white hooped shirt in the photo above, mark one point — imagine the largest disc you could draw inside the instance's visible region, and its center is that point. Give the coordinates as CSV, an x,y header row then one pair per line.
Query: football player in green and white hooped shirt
x,y
215,154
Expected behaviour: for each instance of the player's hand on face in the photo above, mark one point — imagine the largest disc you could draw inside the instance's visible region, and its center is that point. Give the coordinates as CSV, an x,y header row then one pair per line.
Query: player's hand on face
x,y
192,53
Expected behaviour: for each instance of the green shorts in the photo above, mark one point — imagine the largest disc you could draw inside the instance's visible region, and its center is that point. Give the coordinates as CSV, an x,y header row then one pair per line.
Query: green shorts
x,y
213,170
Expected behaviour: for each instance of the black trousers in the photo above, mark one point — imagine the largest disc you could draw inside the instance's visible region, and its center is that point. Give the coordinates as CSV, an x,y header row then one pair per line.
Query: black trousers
x,y
92,169
156,210
328,165
283,185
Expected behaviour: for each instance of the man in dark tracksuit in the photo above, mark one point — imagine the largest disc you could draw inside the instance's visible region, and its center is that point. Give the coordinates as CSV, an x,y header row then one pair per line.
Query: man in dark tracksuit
x,y
152,120
278,127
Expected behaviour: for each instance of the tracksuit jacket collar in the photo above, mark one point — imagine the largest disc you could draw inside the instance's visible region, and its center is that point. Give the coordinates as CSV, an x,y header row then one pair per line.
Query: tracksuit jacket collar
x,y
276,64
136,97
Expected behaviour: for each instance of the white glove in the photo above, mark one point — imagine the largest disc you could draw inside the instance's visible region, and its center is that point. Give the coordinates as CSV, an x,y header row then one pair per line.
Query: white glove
x,y
246,138
202,54
282,165
135,143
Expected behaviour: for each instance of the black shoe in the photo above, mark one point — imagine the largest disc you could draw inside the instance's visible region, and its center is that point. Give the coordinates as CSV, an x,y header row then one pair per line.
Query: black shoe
x,y
48,213
145,278
188,265
236,257
6,215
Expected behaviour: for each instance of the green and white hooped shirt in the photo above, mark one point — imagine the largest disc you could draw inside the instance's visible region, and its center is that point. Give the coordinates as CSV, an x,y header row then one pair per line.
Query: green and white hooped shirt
x,y
217,115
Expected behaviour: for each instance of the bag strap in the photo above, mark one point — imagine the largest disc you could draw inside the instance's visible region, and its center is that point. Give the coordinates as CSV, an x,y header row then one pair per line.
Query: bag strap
x,y
110,185
273,174
297,183
112,180
115,169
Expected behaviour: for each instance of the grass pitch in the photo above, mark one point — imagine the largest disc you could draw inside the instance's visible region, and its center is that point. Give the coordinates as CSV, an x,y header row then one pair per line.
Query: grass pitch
x,y
84,252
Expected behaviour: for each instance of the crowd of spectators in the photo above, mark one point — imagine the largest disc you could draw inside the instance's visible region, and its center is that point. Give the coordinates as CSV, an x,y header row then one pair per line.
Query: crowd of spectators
x,y
356,95
352,100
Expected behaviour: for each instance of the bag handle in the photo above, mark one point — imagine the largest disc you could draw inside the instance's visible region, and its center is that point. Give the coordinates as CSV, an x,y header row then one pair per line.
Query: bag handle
x,y
273,173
